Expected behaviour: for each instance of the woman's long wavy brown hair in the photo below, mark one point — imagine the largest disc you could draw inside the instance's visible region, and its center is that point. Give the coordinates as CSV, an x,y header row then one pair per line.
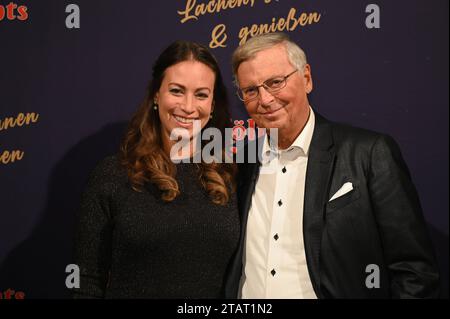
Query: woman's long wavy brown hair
x,y
142,151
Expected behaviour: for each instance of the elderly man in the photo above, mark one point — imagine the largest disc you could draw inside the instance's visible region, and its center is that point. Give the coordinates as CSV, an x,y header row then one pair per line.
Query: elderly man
x,y
338,215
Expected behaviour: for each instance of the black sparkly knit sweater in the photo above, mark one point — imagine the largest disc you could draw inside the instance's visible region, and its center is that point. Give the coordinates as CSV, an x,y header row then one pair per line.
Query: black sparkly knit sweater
x,y
134,245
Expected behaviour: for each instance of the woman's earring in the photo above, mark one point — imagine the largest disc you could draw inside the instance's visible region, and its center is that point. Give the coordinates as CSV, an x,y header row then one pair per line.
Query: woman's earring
x,y
155,105
211,115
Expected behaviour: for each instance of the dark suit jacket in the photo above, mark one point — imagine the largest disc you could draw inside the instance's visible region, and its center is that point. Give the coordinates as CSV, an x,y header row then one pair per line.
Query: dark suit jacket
x,y
379,222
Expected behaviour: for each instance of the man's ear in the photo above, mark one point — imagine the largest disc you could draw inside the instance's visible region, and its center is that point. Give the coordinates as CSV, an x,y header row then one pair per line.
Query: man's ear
x,y
307,77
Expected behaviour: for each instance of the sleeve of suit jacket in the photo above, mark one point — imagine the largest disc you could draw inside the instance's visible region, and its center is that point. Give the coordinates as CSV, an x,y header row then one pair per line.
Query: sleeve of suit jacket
x,y
407,248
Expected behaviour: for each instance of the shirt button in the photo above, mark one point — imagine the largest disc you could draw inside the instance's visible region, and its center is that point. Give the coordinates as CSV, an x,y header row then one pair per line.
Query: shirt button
x,y
280,203
284,170
273,272
276,237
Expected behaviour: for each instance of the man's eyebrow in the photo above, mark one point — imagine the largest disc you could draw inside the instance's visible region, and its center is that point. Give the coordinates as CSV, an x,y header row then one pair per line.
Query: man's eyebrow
x,y
274,77
268,79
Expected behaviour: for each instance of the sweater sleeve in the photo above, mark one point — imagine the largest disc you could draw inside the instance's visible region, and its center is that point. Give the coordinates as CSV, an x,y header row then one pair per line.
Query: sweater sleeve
x,y
94,232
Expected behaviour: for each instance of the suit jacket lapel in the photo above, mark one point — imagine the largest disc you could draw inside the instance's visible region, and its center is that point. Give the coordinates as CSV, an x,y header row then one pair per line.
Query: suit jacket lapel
x,y
247,192
318,174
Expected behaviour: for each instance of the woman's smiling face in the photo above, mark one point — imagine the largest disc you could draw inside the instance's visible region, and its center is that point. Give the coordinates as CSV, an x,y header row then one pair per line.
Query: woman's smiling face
x,y
186,94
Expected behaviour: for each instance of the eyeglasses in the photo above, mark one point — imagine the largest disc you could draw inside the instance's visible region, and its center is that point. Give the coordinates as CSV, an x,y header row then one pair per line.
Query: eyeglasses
x,y
271,85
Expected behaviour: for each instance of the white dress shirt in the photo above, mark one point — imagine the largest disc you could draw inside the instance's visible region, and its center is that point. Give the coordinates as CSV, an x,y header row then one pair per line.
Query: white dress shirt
x,y
274,253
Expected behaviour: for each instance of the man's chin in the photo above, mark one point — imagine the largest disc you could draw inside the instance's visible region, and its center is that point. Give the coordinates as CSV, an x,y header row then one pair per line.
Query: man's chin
x,y
270,125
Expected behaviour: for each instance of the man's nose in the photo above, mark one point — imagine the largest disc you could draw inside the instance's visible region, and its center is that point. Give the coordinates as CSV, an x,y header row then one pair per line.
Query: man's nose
x,y
265,97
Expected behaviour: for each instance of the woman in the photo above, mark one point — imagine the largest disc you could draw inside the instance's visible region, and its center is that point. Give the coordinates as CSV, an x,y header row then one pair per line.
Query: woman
x,y
149,228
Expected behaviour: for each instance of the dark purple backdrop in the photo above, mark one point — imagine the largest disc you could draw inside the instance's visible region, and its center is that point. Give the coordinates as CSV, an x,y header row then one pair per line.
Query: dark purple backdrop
x,y
86,83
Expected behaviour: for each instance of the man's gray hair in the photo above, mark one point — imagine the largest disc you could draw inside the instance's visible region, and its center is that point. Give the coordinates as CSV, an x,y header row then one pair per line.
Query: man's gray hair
x,y
248,50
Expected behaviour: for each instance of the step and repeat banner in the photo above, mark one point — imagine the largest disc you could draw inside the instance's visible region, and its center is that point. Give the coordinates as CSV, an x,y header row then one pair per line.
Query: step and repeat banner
x,y
73,72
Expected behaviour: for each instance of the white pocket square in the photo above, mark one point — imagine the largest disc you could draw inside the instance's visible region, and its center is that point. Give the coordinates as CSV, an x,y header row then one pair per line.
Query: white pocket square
x,y
347,187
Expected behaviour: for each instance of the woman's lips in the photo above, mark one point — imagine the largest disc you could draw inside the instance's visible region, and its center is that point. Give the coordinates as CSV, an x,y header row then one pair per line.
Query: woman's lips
x,y
184,121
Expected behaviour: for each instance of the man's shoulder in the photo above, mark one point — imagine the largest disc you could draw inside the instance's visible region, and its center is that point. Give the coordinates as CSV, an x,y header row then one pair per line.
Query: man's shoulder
x,y
344,133
354,139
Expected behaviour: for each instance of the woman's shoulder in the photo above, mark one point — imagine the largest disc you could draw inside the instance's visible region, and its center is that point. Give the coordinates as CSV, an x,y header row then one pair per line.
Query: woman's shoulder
x,y
109,169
